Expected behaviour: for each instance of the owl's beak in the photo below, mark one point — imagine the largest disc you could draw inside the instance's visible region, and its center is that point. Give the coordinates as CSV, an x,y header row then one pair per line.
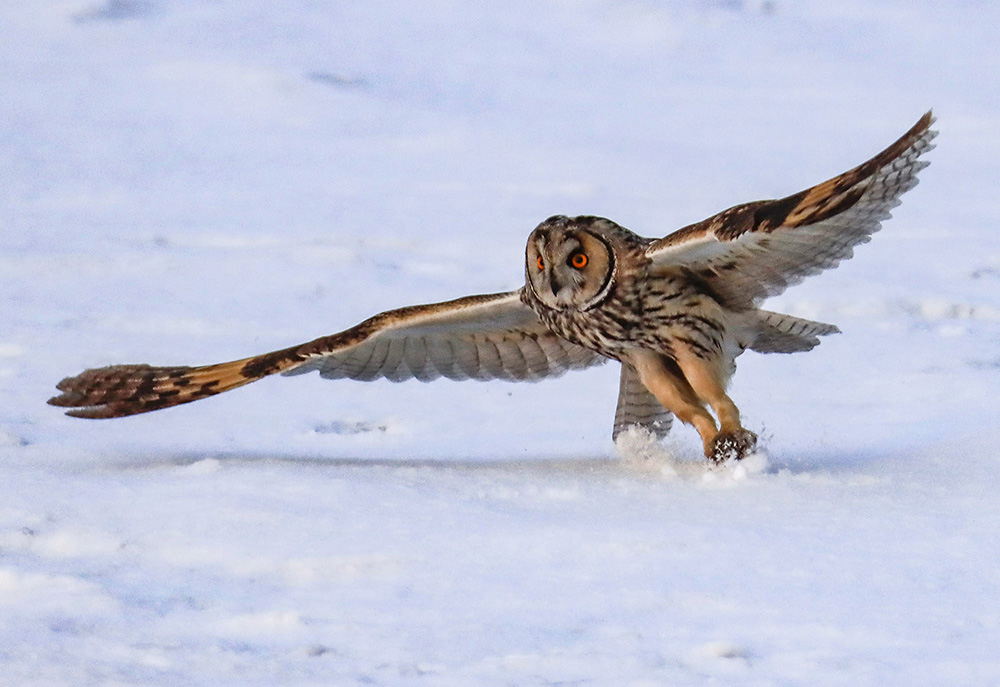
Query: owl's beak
x,y
555,285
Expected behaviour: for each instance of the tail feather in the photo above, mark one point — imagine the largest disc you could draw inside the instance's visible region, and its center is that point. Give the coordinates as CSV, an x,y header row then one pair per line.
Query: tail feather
x,y
778,333
637,407
121,390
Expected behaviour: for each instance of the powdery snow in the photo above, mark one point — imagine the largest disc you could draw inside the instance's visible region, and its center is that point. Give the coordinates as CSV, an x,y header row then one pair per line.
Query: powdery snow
x,y
193,181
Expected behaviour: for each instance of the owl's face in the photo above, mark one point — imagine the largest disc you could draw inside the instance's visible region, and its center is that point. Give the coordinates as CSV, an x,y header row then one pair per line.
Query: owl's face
x,y
570,265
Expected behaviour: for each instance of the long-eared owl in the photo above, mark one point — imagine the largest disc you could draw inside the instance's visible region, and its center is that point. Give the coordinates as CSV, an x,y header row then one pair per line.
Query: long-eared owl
x,y
674,311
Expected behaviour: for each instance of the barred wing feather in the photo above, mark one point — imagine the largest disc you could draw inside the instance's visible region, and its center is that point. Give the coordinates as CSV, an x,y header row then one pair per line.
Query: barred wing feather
x,y
638,407
477,337
753,251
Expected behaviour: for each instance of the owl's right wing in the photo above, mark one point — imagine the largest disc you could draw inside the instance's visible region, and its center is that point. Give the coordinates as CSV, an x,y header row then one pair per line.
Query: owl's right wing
x,y
492,336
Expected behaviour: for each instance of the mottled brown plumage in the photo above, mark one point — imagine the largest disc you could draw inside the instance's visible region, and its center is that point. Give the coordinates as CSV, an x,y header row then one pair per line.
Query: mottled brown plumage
x,y
675,311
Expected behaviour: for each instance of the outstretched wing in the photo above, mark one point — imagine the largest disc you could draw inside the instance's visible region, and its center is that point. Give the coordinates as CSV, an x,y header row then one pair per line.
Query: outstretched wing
x,y
753,251
478,337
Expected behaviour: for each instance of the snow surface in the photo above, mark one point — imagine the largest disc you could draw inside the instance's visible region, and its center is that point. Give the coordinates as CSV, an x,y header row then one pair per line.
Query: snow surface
x,y
194,181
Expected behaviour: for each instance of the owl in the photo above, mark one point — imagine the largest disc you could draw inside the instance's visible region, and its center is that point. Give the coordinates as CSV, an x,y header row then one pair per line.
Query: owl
x,y
675,312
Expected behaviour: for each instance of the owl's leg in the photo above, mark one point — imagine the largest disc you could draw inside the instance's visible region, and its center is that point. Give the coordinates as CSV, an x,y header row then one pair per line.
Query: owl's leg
x,y
732,440
666,382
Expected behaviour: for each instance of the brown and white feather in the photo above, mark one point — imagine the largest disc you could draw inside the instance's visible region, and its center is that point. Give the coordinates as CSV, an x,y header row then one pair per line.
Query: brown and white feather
x,y
753,251
478,337
637,407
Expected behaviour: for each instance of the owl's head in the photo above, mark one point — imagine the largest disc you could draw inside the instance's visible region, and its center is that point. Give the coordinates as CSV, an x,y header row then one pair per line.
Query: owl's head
x,y
570,262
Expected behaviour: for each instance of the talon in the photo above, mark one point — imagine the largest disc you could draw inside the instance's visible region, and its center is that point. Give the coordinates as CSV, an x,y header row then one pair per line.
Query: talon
x,y
732,445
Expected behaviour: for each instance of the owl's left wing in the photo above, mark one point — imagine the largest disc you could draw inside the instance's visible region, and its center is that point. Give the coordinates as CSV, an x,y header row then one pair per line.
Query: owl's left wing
x,y
753,251
493,336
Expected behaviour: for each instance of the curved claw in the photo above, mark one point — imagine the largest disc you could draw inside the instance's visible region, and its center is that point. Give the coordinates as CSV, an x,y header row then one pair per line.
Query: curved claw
x,y
732,445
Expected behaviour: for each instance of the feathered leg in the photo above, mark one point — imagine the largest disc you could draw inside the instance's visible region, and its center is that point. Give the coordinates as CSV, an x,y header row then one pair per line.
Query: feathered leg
x,y
667,383
707,380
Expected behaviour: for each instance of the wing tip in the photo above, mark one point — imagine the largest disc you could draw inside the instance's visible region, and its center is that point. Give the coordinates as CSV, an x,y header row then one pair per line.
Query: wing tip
x,y
918,140
88,394
78,405
922,128
95,413
122,390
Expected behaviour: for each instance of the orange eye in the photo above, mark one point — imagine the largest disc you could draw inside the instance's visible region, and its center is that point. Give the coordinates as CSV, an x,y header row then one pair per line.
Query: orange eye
x,y
541,265
578,260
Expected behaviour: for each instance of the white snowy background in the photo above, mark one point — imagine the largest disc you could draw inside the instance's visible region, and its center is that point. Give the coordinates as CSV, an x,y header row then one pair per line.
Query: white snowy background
x,y
190,181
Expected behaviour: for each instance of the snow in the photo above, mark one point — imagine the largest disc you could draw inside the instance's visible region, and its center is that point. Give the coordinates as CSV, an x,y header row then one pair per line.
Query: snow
x,y
193,181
